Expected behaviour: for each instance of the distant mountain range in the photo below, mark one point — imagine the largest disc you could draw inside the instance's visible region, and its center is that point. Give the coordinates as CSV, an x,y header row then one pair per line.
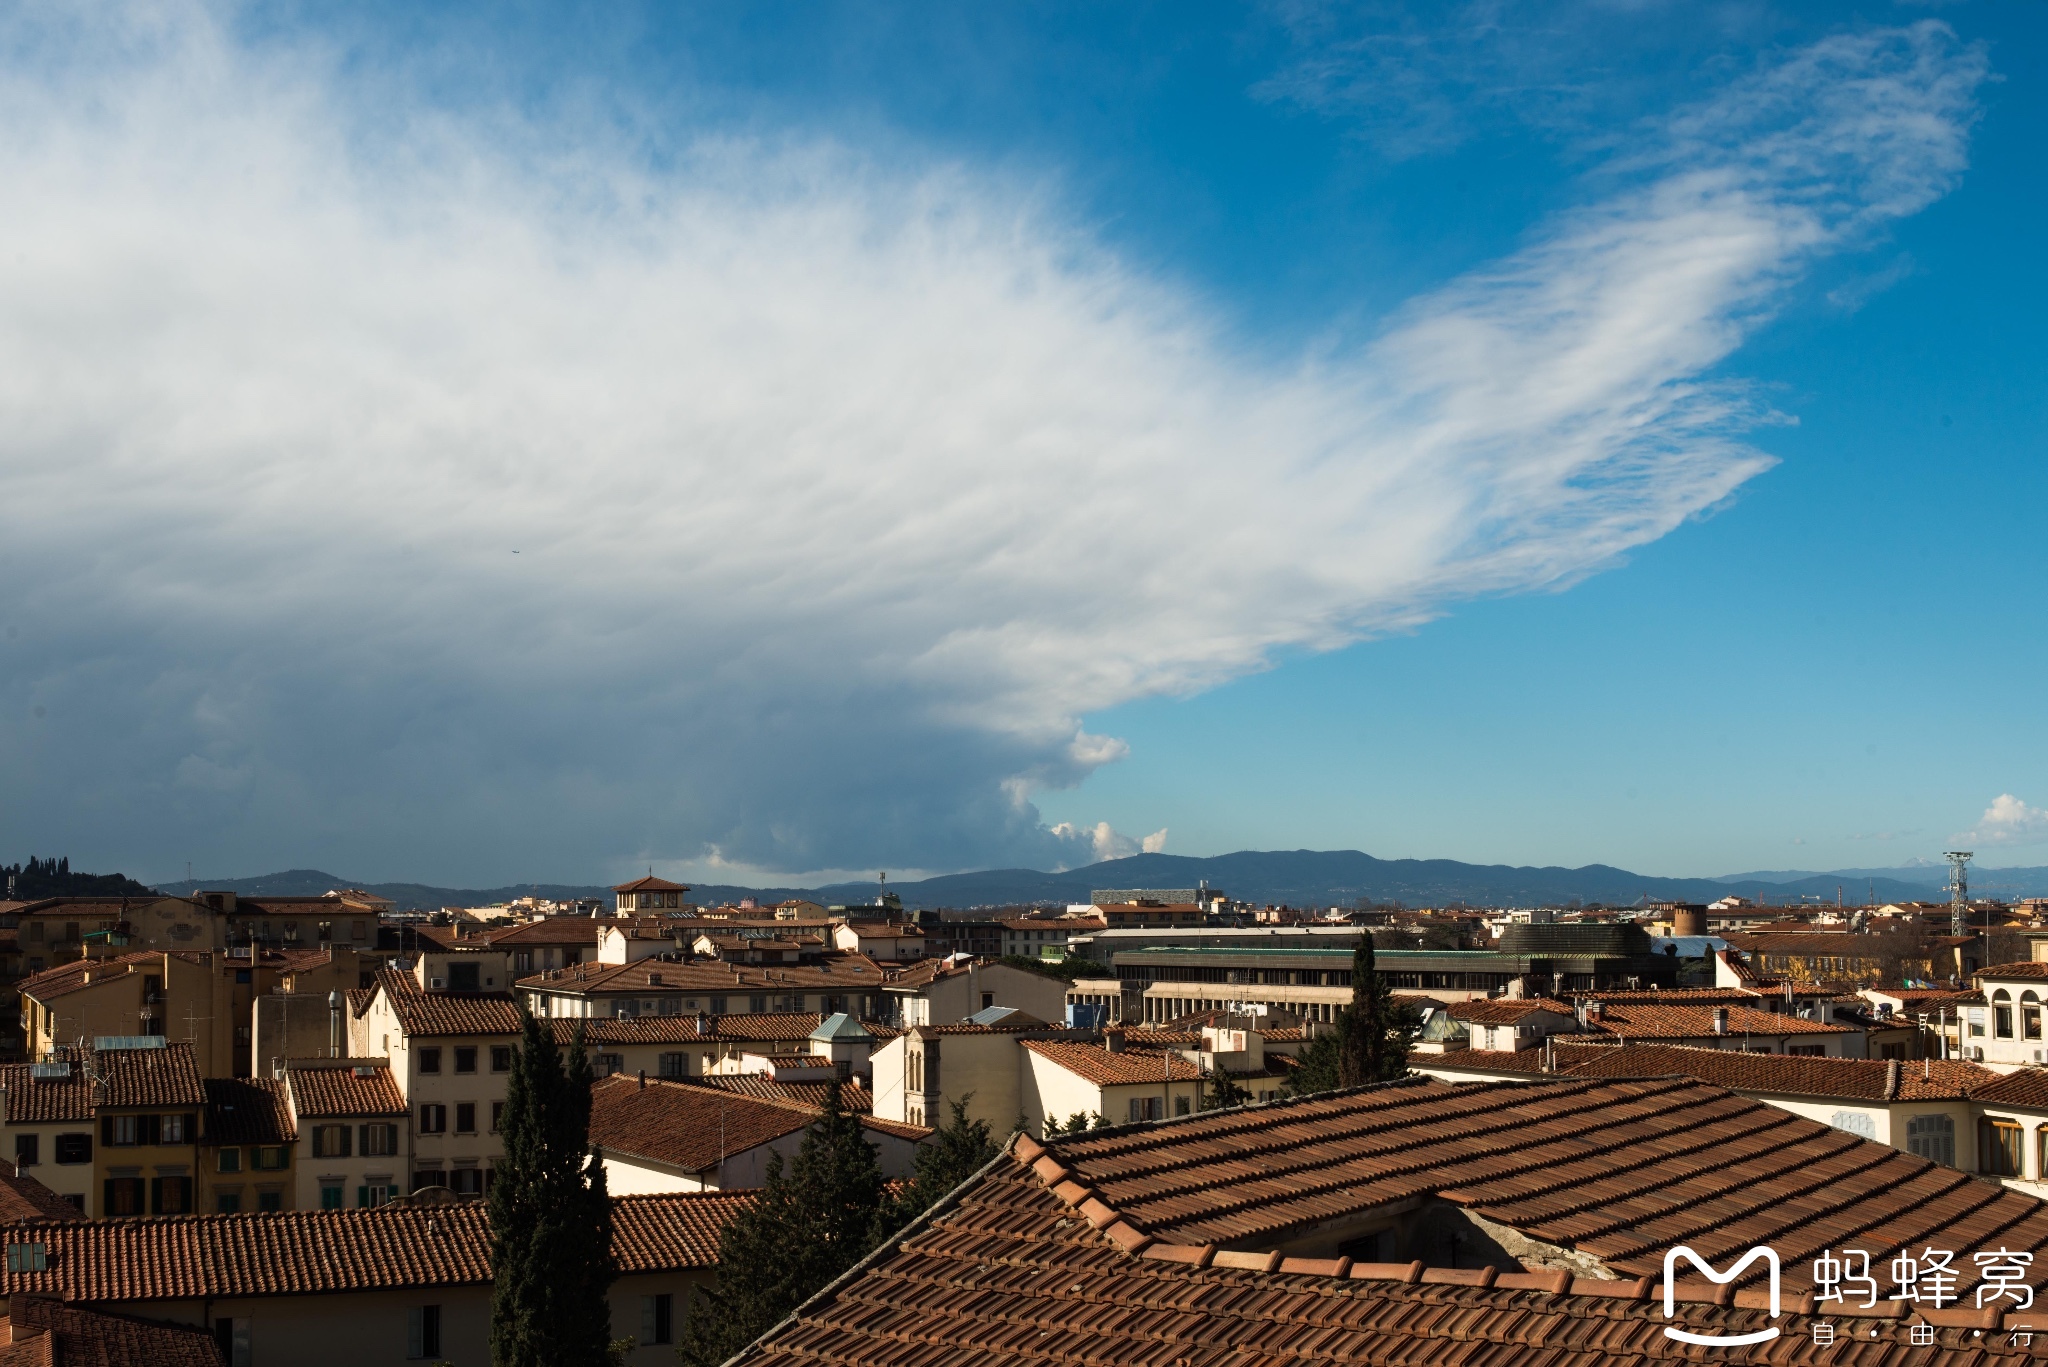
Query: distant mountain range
x,y
1297,877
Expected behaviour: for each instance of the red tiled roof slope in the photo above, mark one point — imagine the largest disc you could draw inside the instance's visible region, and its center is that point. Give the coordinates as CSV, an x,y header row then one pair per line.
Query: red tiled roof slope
x,y
324,1093
48,1334
1619,1170
282,1253
24,1198
1505,1011
1007,1274
1696,1022
447,1013
243,1110
1095,1064
852,1095
1787,1074
693,1127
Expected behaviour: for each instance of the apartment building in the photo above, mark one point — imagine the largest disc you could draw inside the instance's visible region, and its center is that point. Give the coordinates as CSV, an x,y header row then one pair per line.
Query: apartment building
x,y
941,991
354,1132
113,1127
246,1147
822,983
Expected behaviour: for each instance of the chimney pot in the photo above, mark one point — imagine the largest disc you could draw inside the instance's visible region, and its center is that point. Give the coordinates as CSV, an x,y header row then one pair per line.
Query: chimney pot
x,y
1720,1020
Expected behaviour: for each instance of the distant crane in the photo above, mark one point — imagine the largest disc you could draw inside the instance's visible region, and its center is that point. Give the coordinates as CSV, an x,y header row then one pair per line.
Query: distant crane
x,y
1958,891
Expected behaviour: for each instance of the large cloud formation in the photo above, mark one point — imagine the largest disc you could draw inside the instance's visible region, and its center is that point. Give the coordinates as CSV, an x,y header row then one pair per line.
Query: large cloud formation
x,y
404,493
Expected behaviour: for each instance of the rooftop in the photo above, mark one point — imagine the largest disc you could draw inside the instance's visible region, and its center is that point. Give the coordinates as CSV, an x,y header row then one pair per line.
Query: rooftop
x,y
302,1252
323,1091
693,1127
40,1332
1790,1075
1037,1261
1095,1064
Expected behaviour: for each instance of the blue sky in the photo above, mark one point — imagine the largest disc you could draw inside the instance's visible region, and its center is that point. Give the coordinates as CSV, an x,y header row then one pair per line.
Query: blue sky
x,y
484,444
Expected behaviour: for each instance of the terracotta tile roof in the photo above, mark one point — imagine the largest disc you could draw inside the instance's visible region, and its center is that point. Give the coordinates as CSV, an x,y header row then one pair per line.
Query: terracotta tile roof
x,y
651,884
285,1253
147,1077
2026,1088
555,930
729,1029
45,1333
691,1127
1822,943
1502,1011
1790,1075
2023,969
1485,1060
33,1100
326,1093
242,1110
447,1013
854,1096
24,1198
1697,1022
1682,996
1614,1170
1095,1064
1005,1273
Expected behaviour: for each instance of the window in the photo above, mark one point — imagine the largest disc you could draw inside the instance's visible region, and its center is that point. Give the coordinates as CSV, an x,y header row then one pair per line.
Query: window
x,y
243,975
1180,1105
497,1115
607,1064
1857,1123
330,1196
1976,1015
433,1119
272,1157
465,1059
175,1129
2000,1149
2030,1015
227,1202
26,1147
35,1258
1148,1108
657,1318
501,1058
2001,1014
466,1182
74,1148
675,1065
233,1338
380,1141
374,1194
356,931
1932,1136
757,1003
427,1177
465,1117
718,1006
170,1196
35,930
988,999
330,1141
123,1196
423,1332
463,978
1812,1050
230,1160
430,1060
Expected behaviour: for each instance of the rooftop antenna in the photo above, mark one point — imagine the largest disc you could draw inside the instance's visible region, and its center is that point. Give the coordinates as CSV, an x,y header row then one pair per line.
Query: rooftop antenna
x,y
1958,891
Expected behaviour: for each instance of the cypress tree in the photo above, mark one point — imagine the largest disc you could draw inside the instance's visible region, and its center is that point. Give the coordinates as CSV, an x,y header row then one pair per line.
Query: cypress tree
x,y
551,1221
955,1154
811,1221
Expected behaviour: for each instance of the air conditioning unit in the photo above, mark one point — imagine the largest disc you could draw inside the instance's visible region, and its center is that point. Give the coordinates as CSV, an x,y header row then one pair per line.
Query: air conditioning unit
x,y
443,983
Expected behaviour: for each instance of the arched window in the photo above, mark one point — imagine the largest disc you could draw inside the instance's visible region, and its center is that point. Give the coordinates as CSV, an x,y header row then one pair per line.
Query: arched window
x,y
1932,1137
1857,1123
2001,1014
2030,1015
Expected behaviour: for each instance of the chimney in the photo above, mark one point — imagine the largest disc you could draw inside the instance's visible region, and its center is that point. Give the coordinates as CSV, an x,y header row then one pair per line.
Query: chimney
x,y
1113,1041
703,1024
643,1079
334,1025
1720,1020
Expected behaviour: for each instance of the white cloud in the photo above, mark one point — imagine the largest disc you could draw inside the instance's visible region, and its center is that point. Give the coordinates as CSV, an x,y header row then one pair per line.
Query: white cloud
x,y
839,492
2009,821
1091,844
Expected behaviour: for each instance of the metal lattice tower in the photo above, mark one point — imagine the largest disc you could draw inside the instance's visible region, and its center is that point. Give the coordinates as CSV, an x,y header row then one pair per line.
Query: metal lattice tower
x,y
1958,891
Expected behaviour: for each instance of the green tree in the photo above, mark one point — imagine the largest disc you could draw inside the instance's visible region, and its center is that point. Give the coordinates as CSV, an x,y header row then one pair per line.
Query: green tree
x,y
811,1221
1224,1092
955,1154
551,1217
1372,1037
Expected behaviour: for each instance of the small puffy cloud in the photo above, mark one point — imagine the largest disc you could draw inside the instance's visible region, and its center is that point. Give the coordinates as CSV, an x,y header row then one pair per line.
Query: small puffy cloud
x,y
2009,821
1092,844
